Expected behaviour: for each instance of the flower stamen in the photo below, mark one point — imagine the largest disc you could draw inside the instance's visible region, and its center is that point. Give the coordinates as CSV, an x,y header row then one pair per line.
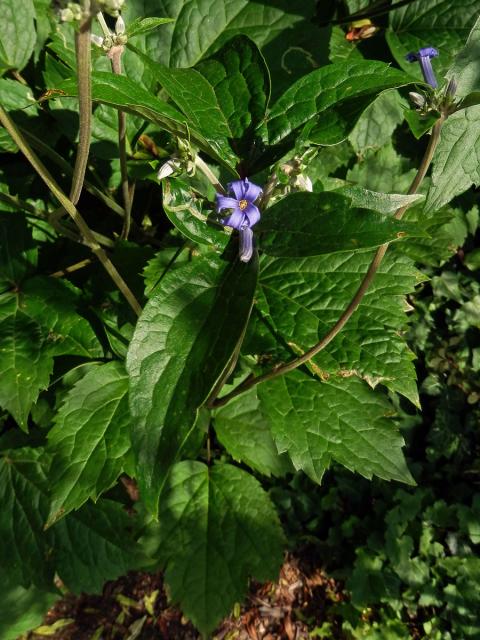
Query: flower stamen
x,y
243,204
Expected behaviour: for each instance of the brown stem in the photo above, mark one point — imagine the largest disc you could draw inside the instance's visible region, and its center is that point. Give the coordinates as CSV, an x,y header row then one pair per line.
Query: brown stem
x,y
357,298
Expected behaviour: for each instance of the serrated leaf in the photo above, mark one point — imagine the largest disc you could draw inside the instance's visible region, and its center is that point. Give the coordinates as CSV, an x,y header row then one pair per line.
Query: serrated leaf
x,y
120,92
89,440
383,171
217,527
310,224
183,341
456,163
240,79
305,298
244,432
184,210
17,34
140,26
94,545
317,95
423,23
339,420
24,553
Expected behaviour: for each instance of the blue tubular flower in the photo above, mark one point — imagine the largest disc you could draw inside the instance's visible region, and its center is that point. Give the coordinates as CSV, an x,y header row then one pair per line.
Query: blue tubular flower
x,y
244,213
424,56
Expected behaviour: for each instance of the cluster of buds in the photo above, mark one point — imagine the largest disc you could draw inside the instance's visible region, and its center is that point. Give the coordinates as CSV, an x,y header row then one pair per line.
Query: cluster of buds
x,y
426,102
110,40
182,161
75,12
292,176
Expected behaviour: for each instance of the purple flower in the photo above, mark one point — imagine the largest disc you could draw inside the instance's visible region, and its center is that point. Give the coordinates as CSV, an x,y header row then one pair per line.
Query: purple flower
x,y
424,56
244,213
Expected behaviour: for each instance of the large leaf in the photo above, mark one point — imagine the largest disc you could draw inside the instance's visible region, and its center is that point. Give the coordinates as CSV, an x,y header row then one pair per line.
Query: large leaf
x,y
217,527
456,163
17,34
285,32
122,93
94,545
17,255
304,299
341,420
90,439
438,23
310,224
24,553
377,123
244,432
182,344
350,85
240,79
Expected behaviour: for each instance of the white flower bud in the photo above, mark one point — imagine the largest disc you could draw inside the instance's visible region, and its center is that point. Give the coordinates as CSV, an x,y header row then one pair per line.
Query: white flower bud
x,y
417,99
169,167
98,40
120,26
304,183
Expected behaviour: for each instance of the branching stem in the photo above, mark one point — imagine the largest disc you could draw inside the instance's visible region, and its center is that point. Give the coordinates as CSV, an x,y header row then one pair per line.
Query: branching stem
x,y
70,208
282,369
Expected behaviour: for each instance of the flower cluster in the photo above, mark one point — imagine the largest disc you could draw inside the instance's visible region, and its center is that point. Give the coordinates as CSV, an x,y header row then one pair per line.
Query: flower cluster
x,y
244,213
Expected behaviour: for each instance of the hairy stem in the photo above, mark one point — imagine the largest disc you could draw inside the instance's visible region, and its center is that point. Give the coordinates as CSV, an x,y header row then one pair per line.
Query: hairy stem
x,y
70,208
83,54
357,298
115,55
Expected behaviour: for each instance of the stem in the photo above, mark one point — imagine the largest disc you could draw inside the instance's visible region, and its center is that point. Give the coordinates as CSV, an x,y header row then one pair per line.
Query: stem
x,y
115,55
83,48
70,208
357,298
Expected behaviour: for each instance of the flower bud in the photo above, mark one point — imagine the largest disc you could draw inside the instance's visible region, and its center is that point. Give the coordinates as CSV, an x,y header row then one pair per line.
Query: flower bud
x,y
98,40
417,99
168,168
120,26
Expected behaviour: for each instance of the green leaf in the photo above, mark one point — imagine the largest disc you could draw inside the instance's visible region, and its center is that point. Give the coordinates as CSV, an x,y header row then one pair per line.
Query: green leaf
x,y
94,545
184,209
120,92
245,433
309,224
22,609
316,96
37,322
420,124
437,23
17,257
381,202
90,439
240,79
24,553
345,421
383,171
195,97
141,26
17,34
25,365
465,67
378,122
456,163
217,527
182,344
304,299
284,32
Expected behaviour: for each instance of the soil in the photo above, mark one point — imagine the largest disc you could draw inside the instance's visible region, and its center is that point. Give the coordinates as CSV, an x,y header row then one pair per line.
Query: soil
x,y
136,607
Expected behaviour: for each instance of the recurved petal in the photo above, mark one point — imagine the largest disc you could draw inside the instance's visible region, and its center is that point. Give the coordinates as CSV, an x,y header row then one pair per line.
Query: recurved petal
x,y
224,202
246,244
252,213
252,191
236,220
238,187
